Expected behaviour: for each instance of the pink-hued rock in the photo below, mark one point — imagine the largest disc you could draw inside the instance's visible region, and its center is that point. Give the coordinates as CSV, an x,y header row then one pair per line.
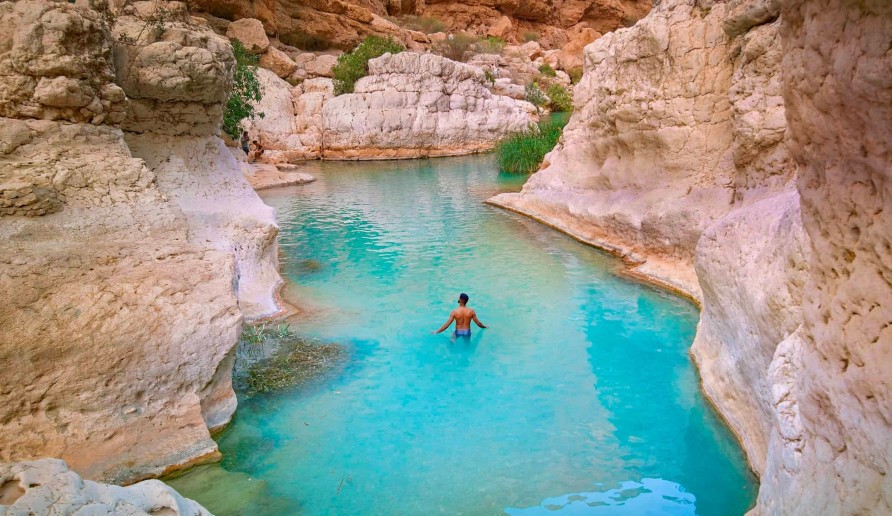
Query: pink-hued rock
x,y
251,33
278,62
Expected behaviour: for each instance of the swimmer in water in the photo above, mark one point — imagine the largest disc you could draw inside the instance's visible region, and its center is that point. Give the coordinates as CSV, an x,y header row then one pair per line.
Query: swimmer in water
x,y
462,317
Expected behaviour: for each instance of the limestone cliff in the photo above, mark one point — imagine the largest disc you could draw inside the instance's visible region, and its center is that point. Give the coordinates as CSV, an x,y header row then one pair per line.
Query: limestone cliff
x,y
410,105
740,152
419,105
129,257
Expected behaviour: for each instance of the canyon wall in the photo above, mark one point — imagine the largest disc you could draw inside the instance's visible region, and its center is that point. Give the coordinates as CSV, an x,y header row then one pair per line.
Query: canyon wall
x,y
740,152
131,245
317,24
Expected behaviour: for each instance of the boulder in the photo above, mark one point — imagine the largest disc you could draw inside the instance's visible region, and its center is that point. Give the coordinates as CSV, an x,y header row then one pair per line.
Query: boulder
x,y
278,62
321,66
251,33
47,486
501,28
571,54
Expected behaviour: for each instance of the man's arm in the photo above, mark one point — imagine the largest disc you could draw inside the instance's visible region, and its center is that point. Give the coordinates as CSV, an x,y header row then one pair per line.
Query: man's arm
x,y
451,318
476,320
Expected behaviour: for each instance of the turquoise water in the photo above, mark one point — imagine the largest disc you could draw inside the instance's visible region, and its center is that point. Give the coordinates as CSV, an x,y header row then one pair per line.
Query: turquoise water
x,y
579,399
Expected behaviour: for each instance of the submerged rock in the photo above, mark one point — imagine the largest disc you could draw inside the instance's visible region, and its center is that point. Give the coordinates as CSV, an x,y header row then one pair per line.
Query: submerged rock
x,y
47,486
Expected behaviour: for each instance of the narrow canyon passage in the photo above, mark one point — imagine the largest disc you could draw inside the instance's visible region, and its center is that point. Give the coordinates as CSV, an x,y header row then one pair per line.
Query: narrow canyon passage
x,y
580,397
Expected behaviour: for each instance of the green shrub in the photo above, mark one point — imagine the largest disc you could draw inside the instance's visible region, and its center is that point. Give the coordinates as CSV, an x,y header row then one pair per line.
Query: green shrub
x,y
547,70
456,46
490,78
575,74
522,153
425,24
530,36
354,65
245,91
535,96
491,45
559,99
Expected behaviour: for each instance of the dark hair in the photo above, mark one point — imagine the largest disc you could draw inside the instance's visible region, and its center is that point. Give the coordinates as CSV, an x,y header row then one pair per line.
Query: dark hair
x,y
463,297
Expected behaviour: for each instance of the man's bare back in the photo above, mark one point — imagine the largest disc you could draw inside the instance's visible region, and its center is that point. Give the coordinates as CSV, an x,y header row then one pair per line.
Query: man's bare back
x,y
462,316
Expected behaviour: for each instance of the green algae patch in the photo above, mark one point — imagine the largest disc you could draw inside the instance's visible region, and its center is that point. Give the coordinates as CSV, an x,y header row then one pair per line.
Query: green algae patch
x,y
272,359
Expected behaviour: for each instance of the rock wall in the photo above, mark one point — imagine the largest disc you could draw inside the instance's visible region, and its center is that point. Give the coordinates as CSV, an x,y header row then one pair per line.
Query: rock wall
x,y
419,105
47,486
739,152
838,93
291,128
129,258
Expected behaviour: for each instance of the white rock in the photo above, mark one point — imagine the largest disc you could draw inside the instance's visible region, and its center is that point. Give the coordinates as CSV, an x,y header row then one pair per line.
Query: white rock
x,y
414,105
47,486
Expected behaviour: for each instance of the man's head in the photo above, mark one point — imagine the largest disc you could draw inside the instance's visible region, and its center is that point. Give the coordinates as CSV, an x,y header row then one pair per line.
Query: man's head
x,y
463,299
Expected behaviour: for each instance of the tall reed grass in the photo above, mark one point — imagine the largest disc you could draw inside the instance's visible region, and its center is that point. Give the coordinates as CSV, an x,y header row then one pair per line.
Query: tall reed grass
x,y
522,153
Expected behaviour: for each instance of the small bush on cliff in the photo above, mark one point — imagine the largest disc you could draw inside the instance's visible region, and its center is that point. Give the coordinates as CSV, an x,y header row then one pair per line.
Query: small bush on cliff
x,y
547,70
559,99
575,74
530,36
245,91
522,153
354,65
535,96
491,45
456,47
425,24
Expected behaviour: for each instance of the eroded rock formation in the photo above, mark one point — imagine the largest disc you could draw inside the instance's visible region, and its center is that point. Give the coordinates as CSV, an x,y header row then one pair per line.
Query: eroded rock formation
x,y
740,152
129,258
47,486
418,105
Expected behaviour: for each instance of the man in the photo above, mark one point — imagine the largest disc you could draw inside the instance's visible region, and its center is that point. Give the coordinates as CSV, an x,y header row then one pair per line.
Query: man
x,y
462,317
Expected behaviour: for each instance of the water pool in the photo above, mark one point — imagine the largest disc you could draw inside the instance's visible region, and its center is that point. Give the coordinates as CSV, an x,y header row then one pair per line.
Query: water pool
x,y
579,399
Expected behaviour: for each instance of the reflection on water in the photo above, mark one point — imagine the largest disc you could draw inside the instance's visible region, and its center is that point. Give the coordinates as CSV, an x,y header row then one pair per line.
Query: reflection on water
x,y
583,379
651,496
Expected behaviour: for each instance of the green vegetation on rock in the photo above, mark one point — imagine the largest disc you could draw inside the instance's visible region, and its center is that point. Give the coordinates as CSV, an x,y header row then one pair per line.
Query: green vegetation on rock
x,y
522,153
559,99
535,96
456,46
354,65
575,74
547,70
245,91
491,45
